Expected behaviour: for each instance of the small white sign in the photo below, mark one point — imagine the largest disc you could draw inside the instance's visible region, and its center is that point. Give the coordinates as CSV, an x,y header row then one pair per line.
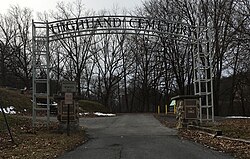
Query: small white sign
x,y
68,98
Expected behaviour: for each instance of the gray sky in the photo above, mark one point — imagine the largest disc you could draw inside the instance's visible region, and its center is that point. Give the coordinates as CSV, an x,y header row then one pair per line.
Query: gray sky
x,y
46,5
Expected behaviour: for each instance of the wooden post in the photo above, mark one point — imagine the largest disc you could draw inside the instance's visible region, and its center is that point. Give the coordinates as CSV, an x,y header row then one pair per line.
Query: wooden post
x,y
166,109
68,126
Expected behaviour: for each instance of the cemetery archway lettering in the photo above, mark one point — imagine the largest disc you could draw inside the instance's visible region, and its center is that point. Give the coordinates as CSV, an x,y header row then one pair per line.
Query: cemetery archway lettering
x,y
45,32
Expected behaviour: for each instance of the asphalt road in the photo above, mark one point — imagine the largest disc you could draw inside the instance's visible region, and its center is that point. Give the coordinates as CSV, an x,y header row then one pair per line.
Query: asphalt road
x,y
136,136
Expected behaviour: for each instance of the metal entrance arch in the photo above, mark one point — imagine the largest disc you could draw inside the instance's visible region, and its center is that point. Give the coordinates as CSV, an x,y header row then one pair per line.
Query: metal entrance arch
x,y
199,36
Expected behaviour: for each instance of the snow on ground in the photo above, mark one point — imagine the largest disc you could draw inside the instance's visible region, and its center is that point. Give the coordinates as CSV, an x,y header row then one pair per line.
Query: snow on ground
x,y
83,114
237,117
9,110
103,114
45,104
98,114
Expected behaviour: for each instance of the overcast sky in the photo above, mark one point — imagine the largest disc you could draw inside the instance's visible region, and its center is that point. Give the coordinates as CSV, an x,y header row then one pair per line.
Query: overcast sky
x,y
46,5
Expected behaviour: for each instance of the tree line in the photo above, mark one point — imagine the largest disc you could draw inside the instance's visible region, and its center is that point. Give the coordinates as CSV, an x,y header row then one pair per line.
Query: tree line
x,y
136,73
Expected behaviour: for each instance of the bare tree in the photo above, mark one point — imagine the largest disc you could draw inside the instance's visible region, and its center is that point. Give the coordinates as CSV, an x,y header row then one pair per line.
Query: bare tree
x,y
21,44
109,64
7,34
76,49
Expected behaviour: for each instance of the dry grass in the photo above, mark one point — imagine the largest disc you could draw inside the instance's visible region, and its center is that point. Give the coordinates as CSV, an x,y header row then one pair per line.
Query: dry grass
x,y
232,128
15,98
235,128
36,143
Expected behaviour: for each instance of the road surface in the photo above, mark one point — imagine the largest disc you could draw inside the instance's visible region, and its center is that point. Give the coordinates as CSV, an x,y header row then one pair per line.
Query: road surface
x,y
136,136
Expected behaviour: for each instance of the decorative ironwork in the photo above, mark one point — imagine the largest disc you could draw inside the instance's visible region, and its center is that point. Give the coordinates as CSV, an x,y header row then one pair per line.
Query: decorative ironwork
x,y
117,24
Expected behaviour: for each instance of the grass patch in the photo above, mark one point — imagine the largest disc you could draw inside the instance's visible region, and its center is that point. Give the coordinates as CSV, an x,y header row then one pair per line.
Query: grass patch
x,y
32,143
91,106
235,128
36,143
16,99
13,121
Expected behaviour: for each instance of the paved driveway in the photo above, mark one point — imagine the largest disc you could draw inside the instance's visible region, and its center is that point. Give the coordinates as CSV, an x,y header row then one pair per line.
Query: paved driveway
x,y
136,136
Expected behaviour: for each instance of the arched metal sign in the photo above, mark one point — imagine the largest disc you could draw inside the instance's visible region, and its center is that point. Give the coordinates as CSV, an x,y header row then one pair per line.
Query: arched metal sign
x,y
45,32
116,25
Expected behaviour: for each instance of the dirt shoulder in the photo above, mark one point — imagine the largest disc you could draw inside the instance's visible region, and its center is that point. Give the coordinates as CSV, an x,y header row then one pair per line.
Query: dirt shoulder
x,y
36,143
235,139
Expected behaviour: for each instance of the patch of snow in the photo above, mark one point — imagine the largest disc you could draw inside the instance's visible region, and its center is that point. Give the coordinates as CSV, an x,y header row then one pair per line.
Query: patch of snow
x,y
81,114
98,114
9,110
237,117
45,104
103,114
